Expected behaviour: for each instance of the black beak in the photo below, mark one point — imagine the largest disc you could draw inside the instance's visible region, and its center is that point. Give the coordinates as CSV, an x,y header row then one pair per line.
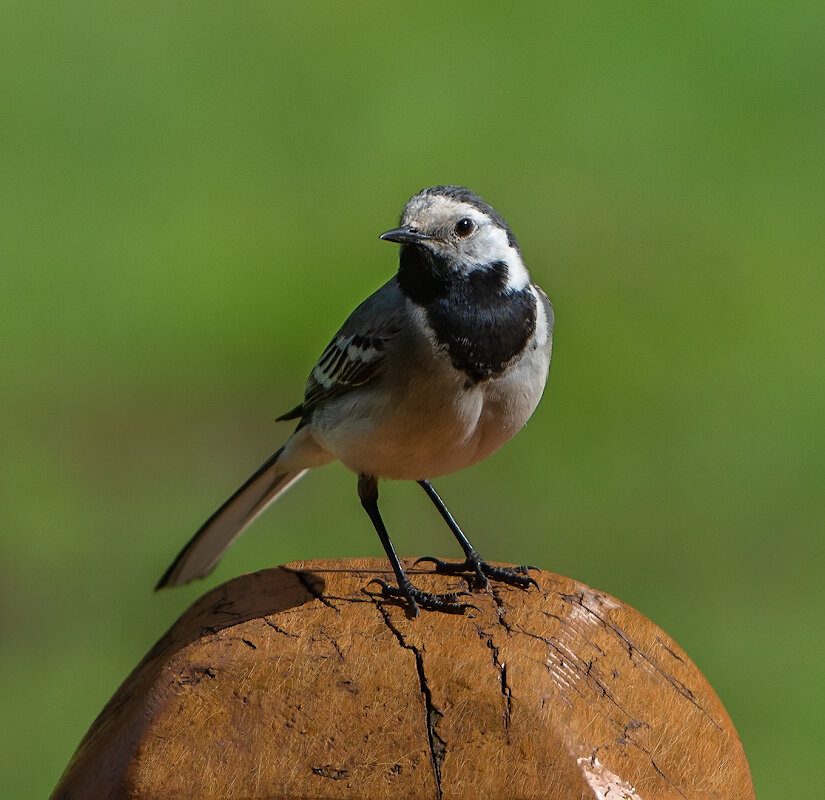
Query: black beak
x,y
405,235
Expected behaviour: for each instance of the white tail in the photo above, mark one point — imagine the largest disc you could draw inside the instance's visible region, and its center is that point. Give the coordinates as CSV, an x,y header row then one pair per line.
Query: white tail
x,y
205,549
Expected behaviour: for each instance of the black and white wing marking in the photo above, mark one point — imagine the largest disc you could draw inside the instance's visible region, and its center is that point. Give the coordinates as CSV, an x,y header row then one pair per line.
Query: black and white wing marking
x,y
357,353
349,361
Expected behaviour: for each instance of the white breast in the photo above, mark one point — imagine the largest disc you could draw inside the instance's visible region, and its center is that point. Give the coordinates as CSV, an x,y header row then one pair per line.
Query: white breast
x,y
419,419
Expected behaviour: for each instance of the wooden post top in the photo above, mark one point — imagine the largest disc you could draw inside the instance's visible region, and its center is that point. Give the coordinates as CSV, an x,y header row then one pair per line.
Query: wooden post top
x,y
296,682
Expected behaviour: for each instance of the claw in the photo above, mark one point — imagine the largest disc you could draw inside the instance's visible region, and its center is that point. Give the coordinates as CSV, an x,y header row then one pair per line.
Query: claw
x,y
443,567
447,602
481,571
467,567
513,577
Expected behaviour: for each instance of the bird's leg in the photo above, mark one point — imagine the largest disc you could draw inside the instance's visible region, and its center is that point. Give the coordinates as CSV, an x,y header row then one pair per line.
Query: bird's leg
x,y
368,492
473,563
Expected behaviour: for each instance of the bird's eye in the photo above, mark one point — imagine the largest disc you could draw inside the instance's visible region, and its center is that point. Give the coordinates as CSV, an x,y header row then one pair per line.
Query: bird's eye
x,y
464,227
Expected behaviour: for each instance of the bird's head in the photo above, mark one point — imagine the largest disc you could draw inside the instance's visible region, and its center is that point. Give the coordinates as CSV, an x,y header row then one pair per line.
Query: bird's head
x,y
447,233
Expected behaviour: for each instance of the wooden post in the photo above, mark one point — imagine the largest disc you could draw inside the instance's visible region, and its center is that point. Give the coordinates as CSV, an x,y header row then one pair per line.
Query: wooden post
x,y
294,682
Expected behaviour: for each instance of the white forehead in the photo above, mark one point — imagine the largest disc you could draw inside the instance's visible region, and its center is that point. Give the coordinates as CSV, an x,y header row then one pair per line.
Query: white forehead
x,y
435,211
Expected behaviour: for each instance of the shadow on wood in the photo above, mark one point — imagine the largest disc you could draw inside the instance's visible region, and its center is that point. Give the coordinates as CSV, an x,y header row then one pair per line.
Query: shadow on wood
x,y
294,682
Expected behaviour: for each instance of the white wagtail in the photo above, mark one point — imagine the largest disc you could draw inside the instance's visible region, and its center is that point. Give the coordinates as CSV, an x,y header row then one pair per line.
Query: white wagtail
x,y
431,373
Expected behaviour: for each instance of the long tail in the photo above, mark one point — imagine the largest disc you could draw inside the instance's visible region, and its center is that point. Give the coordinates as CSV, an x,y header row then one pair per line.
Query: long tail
x,y
207,546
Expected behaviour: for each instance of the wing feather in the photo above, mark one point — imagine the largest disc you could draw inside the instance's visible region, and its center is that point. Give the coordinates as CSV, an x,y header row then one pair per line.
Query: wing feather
x,y
348,361
357,354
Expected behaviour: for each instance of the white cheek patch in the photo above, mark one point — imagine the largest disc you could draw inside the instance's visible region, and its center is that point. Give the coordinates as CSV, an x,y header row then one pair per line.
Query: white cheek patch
x,y
491,245
541,319
517,276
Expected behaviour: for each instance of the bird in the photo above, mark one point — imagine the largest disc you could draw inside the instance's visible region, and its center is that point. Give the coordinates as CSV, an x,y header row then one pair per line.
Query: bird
x,y
430,374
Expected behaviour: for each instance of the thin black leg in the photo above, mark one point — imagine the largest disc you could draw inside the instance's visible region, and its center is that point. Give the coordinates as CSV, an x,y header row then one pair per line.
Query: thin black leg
x,y
368,493
473,562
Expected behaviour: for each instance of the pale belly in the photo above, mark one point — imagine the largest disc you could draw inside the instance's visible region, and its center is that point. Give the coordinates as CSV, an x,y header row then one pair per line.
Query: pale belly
x,y
427,430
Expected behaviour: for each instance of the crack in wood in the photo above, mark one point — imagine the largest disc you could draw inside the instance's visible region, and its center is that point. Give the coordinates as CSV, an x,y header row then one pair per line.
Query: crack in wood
x,y
684,691
438,747
577,664
501,670
501,610
279,629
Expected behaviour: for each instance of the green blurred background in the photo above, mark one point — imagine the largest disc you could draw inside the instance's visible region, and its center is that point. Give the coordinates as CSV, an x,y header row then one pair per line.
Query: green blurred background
x,y
191,199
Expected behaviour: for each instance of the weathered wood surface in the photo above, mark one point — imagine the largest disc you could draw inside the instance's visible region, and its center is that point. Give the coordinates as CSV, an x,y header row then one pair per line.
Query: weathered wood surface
x,y
295,683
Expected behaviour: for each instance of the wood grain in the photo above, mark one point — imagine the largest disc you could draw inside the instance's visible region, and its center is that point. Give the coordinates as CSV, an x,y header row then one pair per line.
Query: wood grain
x,y
295,682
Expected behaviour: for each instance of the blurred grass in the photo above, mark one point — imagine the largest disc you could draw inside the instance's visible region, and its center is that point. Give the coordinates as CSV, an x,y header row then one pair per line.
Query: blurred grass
x,y
191,197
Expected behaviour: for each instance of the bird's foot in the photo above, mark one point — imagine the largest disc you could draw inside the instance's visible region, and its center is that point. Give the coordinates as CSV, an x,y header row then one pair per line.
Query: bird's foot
x,y
449,602
478,572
